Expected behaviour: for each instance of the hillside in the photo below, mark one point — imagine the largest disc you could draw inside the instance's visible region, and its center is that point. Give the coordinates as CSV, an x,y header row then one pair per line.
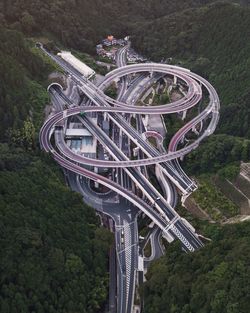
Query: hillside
x,y
215,279
213,41
86,21
49,259
54,255
21,90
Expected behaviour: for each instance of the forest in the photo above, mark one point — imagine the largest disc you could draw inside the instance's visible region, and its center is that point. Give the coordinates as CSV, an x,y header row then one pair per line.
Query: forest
x,y
217,152
22,93
212,41
210,37
54,255
215,279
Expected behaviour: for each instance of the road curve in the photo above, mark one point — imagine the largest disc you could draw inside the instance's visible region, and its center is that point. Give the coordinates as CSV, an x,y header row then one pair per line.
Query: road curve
x,y
67,159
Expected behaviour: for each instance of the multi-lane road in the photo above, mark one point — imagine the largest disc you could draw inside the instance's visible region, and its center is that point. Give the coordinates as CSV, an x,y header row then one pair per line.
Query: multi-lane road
x,y
159,208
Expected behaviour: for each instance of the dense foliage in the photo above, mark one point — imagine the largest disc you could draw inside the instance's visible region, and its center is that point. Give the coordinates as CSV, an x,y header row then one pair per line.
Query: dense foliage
x,y
21,95
216,152
235,117
211,37
215,279
86,21
213,201
53,255
212,40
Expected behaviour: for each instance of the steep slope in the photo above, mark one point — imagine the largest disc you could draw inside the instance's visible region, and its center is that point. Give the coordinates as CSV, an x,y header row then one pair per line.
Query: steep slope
x,y
21,92
215,279
53,255
212,40
86,21
47,236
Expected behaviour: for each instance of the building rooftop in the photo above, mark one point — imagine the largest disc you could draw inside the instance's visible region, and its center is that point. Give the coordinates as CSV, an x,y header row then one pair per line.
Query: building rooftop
x,y
81,67
77,132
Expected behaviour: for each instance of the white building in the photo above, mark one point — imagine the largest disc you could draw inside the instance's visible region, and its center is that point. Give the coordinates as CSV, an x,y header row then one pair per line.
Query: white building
x,y
80,140
81,67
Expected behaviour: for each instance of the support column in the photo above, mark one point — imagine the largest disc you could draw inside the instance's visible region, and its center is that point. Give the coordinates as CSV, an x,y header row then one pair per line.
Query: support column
x,y
184,114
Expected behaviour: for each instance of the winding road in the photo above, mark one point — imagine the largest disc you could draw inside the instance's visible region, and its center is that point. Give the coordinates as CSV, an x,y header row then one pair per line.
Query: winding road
x,y
158,208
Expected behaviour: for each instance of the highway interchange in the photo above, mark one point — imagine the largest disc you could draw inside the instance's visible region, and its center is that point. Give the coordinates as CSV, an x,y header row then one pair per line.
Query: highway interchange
x,y
129,185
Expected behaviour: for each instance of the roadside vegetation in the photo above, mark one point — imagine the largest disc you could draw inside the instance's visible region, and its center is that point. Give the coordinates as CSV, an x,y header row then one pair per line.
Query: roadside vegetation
x,y
111,91
213,279
53,254
212,200
161,99
219,153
